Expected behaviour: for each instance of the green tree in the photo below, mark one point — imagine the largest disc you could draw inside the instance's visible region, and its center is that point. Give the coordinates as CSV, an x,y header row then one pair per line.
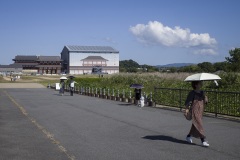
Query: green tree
x,y
128,66
234,60
206,67
221,66
132,70
149,68
190,69
173,69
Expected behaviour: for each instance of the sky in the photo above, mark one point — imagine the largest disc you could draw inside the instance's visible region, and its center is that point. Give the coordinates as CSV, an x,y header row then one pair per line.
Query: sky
x,y
153,32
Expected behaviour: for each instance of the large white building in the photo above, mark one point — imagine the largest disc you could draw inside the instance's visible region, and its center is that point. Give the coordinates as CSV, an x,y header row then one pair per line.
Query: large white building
x,y
82,59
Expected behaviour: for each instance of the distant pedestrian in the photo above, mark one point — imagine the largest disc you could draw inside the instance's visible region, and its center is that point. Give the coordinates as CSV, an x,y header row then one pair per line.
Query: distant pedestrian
x,y
138,92
71,85
62,87
196,100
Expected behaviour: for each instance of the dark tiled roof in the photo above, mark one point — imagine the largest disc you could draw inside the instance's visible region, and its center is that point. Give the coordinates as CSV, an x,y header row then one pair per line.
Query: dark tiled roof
x,y
26,64
14,65
49,66
94,58
5,66
92,49
27,58
49,58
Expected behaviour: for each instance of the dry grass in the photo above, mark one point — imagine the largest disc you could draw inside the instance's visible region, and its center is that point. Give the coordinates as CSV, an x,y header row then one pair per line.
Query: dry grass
x,y
2,80
171,76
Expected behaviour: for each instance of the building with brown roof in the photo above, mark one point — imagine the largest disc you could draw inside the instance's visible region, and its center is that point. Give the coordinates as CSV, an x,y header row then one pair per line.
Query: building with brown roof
x,y
39,64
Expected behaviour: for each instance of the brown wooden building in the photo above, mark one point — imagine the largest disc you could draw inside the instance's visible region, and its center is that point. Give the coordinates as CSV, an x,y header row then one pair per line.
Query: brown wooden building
x,y
39,64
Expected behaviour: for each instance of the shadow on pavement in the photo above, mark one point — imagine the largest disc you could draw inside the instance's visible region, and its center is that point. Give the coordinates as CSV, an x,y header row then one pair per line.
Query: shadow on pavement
x,y
125,104
166,138
57,94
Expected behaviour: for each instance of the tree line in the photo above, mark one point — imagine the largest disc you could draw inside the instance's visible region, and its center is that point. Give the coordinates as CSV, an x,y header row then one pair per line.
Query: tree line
x,y
232,64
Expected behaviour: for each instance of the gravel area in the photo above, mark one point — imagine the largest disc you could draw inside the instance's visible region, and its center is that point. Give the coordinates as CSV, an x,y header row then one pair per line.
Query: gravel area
x,y
21,85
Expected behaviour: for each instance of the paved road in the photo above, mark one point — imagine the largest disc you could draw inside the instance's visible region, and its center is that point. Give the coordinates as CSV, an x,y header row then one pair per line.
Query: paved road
x,y
40,124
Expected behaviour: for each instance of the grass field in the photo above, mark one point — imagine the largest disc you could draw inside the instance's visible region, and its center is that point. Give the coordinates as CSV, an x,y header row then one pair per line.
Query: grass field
x,y
229,82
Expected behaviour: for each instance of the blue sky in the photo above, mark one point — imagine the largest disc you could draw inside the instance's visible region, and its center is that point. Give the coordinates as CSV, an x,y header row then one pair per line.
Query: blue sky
x,y
153,32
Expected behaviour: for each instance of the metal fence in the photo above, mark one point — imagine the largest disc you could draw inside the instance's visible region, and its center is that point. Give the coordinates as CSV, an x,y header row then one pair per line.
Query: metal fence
x,y
225,103
124,95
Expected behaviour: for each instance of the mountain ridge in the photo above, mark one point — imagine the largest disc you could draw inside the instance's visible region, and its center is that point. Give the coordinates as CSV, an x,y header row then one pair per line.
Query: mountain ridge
x,y
177,65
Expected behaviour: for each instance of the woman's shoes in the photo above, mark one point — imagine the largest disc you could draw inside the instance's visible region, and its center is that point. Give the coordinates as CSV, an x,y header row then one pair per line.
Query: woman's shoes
x,y
205,144
189,139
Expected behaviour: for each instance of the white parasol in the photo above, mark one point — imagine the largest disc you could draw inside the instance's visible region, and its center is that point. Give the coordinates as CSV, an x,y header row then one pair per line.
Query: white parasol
x,y
203,77
63,78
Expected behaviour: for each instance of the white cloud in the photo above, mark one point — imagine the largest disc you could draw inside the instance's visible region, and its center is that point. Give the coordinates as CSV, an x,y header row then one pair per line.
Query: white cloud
x,y
155,33
205,52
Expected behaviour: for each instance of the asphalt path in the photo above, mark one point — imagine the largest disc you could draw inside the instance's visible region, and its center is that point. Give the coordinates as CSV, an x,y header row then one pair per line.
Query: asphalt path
x,y
40,124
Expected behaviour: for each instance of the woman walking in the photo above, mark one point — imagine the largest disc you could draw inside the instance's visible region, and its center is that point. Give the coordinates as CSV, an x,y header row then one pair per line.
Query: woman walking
x,y
71,85
196,100
62,87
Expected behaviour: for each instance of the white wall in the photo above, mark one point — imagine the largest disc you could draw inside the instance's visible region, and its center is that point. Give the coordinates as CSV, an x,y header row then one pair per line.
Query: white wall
x,y
75,58
79,71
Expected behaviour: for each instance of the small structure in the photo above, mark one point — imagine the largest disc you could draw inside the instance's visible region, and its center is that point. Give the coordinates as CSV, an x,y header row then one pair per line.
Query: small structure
x,y
11,69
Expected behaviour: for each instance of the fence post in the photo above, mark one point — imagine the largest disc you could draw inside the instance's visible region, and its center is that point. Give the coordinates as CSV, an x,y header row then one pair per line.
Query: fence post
x,y
96,93
216,104
123,96
155,90
150,102
130,97
113,95
118,98
145,97
180,102
100,93
108,93
104,93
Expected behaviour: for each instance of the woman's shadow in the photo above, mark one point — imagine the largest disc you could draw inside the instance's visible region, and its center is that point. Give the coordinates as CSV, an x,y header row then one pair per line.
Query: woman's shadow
x,y
166,138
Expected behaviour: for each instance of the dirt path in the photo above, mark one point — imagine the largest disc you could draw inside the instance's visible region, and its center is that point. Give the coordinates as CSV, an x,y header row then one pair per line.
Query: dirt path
x,y
7,78
21,85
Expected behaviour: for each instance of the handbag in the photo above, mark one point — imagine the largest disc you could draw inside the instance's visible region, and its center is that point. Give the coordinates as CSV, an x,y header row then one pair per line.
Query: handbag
x,y
188,114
